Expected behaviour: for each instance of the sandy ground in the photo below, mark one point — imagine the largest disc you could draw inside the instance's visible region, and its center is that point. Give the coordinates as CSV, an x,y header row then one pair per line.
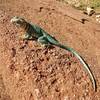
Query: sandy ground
x,y
29,72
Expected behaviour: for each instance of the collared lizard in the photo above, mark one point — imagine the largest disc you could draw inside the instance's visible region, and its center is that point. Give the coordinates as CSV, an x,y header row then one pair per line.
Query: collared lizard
x,y
35,32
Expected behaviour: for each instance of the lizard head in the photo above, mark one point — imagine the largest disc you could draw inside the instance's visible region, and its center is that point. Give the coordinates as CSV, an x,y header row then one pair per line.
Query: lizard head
x,y
18,21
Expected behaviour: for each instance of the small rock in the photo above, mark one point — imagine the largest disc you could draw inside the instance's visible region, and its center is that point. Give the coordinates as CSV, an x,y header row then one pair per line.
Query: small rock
x,y
98,18
89,11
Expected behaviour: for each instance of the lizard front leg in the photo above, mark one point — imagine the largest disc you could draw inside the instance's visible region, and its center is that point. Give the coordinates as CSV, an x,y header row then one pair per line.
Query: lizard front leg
x,y
26,36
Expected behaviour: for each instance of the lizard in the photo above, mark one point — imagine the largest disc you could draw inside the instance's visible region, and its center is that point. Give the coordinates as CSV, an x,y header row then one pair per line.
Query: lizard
x,y
33,31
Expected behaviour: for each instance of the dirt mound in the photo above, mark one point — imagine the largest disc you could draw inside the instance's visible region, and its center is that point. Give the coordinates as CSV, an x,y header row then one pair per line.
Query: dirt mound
x,y
29,72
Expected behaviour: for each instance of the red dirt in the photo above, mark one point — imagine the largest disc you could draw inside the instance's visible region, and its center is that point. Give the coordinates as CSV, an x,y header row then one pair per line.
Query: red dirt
x,y
28,72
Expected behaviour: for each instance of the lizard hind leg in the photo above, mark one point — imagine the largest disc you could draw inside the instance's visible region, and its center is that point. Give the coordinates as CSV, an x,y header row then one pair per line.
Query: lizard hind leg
x,y
44,42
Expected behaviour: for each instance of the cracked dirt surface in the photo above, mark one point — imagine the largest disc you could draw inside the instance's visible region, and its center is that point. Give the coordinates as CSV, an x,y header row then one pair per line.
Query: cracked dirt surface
x,y
28,72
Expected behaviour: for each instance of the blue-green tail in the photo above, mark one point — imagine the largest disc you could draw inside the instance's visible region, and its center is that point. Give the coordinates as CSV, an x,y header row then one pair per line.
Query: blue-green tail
x,y
86,67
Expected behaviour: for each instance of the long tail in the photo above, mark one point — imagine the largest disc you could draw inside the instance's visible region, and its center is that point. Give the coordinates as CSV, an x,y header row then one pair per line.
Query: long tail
x,y
86,67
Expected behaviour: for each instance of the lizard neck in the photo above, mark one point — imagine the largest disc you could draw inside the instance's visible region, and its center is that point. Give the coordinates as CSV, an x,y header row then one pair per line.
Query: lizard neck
x,y
26,26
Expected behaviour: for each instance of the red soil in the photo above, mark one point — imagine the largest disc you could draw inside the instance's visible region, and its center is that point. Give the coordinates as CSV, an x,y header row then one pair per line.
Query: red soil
x,y
28,72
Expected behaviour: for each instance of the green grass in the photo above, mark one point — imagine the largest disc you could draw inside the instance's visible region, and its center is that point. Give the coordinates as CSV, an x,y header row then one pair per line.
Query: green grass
x,y
83,4
95,3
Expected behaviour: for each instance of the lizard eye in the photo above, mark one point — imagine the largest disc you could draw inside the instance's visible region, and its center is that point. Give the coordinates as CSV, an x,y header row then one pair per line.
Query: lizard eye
x,y
18,22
